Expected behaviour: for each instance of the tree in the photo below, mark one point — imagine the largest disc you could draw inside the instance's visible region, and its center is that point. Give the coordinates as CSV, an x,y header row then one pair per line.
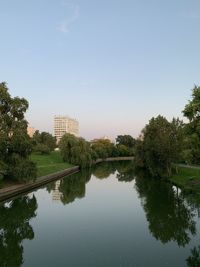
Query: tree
x,y
123,151
126,140
160,146
75,150
192,140
126,145
43,142
103,148
15,144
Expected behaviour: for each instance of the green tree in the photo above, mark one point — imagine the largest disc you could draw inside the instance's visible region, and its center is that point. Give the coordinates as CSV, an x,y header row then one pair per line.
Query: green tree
x,y
75,150
126,140
123,151
192,140
15,144
160,146
125,145
103,148
43,142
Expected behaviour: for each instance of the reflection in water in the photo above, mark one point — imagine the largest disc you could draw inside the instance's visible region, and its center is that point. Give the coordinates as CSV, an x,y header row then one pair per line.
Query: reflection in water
x,y
14,228
169,217
126,172
104,170
194,259
74,186
56,194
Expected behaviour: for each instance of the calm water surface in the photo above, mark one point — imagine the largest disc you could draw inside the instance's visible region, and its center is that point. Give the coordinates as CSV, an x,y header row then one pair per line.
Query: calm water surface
x,y
104,217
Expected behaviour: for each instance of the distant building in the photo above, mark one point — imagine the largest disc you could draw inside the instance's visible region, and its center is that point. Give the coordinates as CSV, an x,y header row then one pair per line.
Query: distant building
x,y
63,125
101,138
31,131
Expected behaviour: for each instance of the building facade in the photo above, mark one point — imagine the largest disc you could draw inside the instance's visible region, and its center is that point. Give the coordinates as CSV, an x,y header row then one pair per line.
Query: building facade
x,y
63,125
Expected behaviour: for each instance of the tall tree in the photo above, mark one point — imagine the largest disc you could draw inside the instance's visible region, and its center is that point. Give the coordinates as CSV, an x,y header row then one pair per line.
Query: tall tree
x,y
160,146
192,112
15,144
75,150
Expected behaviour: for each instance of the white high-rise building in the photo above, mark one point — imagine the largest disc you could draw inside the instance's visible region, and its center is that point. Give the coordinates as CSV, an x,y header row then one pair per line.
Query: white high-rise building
x,y
63,125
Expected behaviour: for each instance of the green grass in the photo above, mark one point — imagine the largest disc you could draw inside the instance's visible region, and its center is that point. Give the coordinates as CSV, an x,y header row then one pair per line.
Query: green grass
x,y
48,164
187,178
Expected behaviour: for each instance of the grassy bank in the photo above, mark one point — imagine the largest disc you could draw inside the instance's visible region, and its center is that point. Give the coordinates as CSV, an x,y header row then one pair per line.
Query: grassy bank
x,y
48,164
187,178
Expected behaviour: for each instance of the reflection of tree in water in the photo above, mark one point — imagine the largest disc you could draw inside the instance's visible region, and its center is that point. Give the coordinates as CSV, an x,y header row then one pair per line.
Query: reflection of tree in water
x,y
124,168
14,228
169,217
104,170
194,259
73,186
50,187
194,201
126,172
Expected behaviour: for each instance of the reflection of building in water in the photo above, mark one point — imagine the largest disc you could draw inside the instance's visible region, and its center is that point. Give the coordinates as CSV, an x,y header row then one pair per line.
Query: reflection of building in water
x,y
56,194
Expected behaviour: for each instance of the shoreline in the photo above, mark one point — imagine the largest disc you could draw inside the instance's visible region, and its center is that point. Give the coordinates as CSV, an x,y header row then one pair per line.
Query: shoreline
x,y
187,178
9,192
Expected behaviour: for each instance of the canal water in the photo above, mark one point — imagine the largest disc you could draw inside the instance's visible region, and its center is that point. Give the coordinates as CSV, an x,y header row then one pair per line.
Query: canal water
x,y
107,216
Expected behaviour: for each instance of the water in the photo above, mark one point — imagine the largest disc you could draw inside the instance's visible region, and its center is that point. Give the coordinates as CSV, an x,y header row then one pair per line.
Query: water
x,y
104,217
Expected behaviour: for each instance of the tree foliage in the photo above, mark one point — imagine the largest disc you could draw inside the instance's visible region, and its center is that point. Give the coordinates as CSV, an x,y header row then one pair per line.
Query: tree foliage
x,y
191,152
15,144
160,146
75,150
43,142
103,148
125,145
126,140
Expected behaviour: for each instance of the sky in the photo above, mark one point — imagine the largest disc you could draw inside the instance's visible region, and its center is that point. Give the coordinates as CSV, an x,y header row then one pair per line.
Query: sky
x,y
111,64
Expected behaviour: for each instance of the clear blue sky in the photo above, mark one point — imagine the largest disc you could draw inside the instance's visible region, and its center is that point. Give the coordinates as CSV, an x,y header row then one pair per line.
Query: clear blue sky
x,y
112,64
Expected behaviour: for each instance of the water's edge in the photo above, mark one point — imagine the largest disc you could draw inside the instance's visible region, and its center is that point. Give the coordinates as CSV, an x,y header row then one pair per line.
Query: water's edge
x,y
13,191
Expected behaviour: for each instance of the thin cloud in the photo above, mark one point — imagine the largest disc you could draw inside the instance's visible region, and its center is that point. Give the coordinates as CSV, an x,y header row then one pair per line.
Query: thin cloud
x,y
64,26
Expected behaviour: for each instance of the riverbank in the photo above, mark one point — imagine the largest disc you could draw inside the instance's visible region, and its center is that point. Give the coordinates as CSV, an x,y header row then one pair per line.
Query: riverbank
x,y
187,178
50,163
14,189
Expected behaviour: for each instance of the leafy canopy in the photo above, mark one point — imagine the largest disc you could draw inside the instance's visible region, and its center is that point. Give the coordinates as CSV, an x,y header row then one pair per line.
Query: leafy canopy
x,y
15,144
